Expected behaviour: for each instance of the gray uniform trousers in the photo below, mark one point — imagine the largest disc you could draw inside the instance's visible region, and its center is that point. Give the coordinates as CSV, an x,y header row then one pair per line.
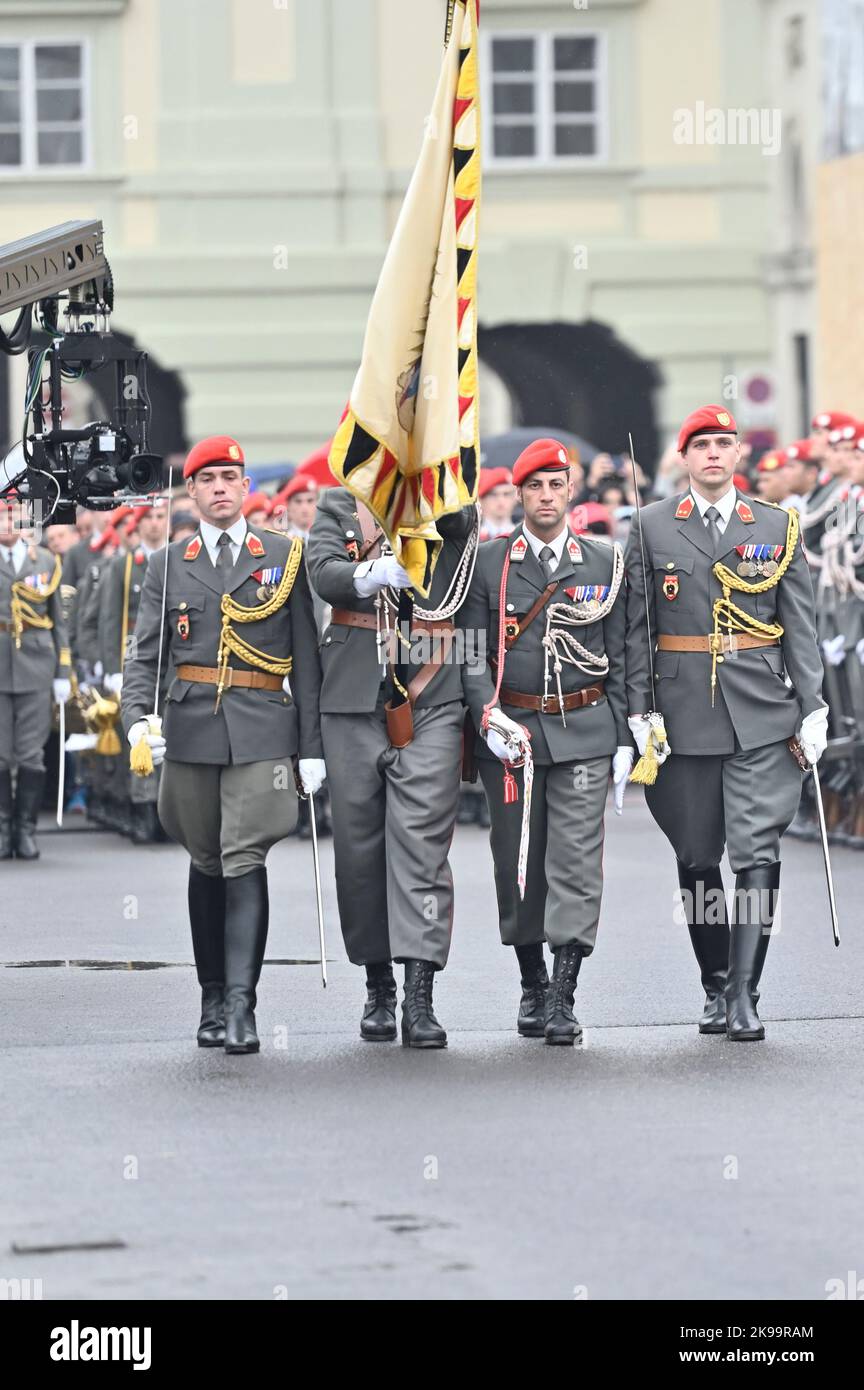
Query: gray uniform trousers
x,y
564,877
227,818
742,801
25,724
393,813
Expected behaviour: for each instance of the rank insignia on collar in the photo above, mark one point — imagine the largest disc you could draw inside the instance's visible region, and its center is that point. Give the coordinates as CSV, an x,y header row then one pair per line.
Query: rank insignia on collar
x,y
140,557
685,507
519,548
193,549
670,586
574,550
743,510
253,545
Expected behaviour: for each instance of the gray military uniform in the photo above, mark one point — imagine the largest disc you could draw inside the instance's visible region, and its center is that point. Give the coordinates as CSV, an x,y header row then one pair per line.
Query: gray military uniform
x,y
226,793
393,809
731,777
120,588
571,762
27,672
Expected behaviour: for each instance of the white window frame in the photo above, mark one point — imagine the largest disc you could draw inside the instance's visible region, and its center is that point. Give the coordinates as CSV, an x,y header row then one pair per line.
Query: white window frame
x,y
545,116
29,166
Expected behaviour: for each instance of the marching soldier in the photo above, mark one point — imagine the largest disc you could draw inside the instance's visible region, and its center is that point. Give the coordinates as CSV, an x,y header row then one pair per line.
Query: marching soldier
x,y
238,624
732,615
551,608
119,599
497,497
393,807
35,664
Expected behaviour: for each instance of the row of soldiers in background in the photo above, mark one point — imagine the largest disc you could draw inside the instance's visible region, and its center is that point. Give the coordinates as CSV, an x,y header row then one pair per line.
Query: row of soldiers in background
x,y
103,575
823,477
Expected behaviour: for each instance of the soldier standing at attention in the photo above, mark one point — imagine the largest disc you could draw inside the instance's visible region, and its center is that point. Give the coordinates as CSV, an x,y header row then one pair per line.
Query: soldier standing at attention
x,y
35,663
393,808
239,622
732,615
551,610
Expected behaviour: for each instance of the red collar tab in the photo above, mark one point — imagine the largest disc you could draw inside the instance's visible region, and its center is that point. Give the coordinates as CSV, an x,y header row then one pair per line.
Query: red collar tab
x,y
253,545
685,507
743,510
193,549
519,548
574,550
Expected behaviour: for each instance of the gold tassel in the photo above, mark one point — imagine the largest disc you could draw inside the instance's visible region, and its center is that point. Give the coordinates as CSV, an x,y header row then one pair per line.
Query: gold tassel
x,y
140,758
108,744
646,770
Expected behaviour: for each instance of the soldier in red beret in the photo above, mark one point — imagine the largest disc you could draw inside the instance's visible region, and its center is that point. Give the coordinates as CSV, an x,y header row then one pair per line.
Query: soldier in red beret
x,y
497,497
551,610
719,584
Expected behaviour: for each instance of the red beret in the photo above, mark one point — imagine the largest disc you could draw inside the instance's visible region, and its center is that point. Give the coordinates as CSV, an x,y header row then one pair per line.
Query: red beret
x,y
838,433
219,448
708,419
256,502
301,482
831,420
590,514
770,462
542,455
801,449
493,477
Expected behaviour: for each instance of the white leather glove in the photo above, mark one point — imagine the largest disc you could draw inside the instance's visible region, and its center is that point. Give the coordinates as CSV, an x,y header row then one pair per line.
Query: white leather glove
x,y
113,682
502,733
372,575
832,650
859,650
622,766
313,774
141,728
640,727
62,690
286,685
814,735
98,671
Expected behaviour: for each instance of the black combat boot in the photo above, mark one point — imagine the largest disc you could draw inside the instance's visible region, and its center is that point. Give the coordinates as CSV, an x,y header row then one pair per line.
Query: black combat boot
x,y
247,910
145,822
562,1026
6,810
710,939
756,892
531,1020
28,803
207,920
378,1023
420,1027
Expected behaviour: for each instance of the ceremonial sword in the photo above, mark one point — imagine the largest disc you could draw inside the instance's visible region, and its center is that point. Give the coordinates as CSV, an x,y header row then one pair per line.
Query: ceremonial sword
x,y
61,771
644,568
318,902
798,754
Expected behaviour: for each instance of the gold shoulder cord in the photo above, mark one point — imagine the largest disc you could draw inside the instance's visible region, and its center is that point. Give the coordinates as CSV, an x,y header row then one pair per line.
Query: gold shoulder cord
x,y
232,612
24,596
733,617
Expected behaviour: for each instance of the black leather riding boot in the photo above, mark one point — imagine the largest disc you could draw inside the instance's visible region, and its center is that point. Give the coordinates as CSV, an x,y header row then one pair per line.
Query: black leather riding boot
x,y
531,1020
562,1027
420,1027
28,801
756,893
705,905
207,920
6,809
247,911
378,1023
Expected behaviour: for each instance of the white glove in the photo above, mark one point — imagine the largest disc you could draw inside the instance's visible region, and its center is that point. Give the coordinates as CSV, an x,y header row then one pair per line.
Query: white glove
x,y
98,671
313,774
286,685
622,766
832,650
141,729
372,575
814,735
859,650
640,727
62,690
500,747
502,733
113,682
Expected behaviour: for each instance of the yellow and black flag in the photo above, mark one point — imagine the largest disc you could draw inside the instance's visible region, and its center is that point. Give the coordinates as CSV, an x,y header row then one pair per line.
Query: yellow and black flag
x,y
408,445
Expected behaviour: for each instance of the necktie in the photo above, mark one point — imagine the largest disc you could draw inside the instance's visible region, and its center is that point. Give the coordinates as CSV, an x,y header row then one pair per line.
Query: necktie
x,y
547,555
225,561
712,516
8,563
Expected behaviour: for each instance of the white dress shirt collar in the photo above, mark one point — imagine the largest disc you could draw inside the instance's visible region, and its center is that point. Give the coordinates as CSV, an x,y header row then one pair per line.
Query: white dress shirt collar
x,y
725,504
17,553
236,534
537,544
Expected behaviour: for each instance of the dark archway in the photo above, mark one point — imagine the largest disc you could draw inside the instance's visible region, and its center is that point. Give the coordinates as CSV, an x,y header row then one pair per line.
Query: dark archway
x,y
581,377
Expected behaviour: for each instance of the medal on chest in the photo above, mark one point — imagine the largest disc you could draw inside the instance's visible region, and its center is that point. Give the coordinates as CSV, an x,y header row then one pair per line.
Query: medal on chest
x,y
758,560
268,582
589,598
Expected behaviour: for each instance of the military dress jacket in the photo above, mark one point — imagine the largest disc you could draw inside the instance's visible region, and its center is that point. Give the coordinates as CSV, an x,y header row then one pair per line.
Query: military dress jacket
x,y
112,592
595,730
349,655
250,725
44,652
753,703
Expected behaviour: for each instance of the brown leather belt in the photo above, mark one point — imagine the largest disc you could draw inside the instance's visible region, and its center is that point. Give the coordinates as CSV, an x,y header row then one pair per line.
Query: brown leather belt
x,y
550,704
346,617
249,680
729,642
